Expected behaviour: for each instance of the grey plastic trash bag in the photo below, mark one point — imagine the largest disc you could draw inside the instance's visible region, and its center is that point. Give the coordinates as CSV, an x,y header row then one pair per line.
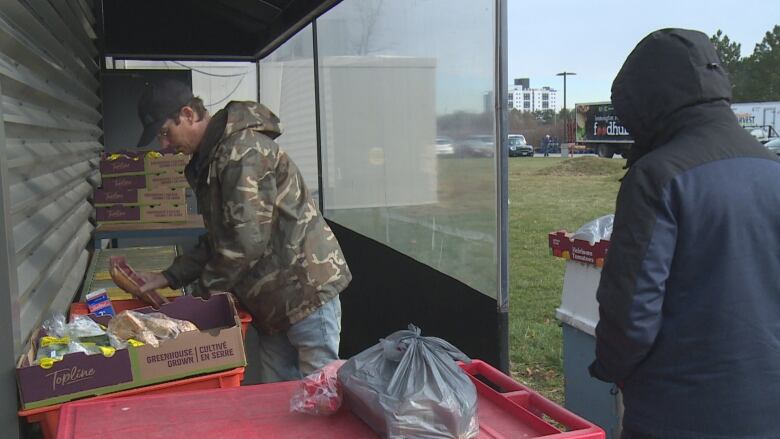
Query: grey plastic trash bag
x,y
408,386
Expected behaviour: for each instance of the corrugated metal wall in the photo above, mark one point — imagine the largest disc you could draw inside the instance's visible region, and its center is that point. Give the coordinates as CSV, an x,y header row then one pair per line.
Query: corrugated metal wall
x,y
50,112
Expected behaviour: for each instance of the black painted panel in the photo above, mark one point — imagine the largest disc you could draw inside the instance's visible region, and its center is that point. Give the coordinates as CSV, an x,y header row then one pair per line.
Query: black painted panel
x,y
389,290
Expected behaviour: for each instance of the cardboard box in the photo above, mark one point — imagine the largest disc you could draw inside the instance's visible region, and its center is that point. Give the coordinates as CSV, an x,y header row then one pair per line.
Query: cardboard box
x,y
161,213
131,163
122,163
563,246
124,182
140,197
590,254
168,163
217,346
164,180
168,179
560,244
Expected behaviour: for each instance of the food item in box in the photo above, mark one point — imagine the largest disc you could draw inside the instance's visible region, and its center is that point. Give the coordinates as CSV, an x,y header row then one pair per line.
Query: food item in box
x,y
126,325
52,347
99,303
146,328
127,279
165,327
146,337
81,335
85,330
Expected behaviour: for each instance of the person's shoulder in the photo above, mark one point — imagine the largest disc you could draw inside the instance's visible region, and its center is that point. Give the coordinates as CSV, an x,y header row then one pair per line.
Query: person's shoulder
x,y
239,147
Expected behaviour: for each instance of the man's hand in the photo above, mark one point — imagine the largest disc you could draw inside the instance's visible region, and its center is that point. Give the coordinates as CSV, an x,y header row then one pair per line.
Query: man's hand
x,y
148,291
153,281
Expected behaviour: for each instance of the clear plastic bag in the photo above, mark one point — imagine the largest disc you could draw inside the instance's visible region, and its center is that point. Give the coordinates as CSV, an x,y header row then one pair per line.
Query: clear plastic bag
x,y
56,325
319,393
596,230
409,386
86,330
81,335
145,328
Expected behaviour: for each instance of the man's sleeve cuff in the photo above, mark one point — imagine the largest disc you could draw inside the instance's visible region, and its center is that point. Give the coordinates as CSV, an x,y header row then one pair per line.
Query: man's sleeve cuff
x,y
173,283
598,371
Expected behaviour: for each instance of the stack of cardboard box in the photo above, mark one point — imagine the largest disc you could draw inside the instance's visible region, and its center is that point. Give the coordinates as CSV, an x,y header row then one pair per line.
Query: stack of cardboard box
x,y
141,187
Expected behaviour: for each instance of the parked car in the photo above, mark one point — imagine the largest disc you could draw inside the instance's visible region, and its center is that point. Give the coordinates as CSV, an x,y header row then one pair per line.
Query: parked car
x,y
518,147
480,145
773,145
444,147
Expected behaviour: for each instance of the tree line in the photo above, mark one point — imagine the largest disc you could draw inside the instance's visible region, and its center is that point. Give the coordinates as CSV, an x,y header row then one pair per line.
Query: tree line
x,y
756,77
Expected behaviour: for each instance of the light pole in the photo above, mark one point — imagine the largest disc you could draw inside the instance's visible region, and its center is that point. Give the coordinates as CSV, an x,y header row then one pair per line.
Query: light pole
x,y
566,116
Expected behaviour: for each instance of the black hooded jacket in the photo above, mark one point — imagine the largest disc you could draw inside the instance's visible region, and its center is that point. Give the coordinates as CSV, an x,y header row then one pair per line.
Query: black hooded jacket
x,y
689,299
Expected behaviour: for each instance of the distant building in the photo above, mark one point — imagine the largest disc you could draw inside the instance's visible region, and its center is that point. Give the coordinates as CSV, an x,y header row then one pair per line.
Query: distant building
x,y
488,104
524,98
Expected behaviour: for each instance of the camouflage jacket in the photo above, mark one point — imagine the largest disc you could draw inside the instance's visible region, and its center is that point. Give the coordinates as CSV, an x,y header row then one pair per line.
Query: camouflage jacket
x,y
267,242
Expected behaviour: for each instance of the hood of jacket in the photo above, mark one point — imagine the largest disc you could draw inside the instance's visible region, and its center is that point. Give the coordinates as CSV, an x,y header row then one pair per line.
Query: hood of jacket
x,y
250,115
668,71
234,118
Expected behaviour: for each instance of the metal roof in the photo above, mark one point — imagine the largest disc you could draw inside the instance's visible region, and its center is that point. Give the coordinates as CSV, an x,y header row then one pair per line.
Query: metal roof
x,y
202,29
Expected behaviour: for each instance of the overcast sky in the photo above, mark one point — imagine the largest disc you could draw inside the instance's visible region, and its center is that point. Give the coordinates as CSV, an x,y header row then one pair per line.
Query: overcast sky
x,y
593,38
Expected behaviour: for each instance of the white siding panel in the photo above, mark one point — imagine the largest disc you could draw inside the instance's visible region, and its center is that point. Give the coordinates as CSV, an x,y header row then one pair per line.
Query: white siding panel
x,y
37,227
49,289
32,268
50,112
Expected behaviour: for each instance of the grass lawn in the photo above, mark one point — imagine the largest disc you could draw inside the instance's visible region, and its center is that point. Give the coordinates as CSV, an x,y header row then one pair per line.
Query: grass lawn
x,y
547,194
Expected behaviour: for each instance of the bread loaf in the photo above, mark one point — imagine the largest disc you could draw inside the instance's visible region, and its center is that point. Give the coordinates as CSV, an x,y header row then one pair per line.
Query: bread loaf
x,y
126,325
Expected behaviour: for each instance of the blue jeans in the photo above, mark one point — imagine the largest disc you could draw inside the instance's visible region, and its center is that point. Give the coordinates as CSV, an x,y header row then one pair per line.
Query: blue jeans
x,y
307,346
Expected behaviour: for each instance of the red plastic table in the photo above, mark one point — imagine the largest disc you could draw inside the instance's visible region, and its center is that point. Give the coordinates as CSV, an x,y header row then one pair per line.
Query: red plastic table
x,y
506,410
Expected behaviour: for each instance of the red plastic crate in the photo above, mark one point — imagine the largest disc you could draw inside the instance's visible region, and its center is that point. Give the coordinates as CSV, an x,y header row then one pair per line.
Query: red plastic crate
x,y
506,409
80,308
49,417
499,393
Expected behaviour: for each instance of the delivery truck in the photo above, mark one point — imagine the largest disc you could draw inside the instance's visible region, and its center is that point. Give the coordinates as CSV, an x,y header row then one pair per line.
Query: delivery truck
x,y
599,129
760,118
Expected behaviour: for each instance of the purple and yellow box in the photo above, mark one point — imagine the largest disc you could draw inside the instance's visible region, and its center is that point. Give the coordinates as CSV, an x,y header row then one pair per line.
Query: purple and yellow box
x,y
163,180
162,213
138,163
217,345
140,197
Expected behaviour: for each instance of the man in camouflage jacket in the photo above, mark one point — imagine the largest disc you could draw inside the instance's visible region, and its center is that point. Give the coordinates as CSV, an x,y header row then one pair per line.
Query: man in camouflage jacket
x,y
266,240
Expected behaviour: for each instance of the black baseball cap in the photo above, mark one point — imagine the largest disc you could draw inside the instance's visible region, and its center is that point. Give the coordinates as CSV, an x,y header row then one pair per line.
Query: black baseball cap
x,y
159,101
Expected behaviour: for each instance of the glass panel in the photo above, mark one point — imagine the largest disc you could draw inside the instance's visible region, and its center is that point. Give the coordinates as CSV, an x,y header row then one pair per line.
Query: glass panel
x,y
408,129
287,88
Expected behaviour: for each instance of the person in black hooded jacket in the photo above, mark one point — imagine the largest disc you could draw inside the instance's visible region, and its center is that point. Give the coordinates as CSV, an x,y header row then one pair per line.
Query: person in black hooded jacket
x,y
689,298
